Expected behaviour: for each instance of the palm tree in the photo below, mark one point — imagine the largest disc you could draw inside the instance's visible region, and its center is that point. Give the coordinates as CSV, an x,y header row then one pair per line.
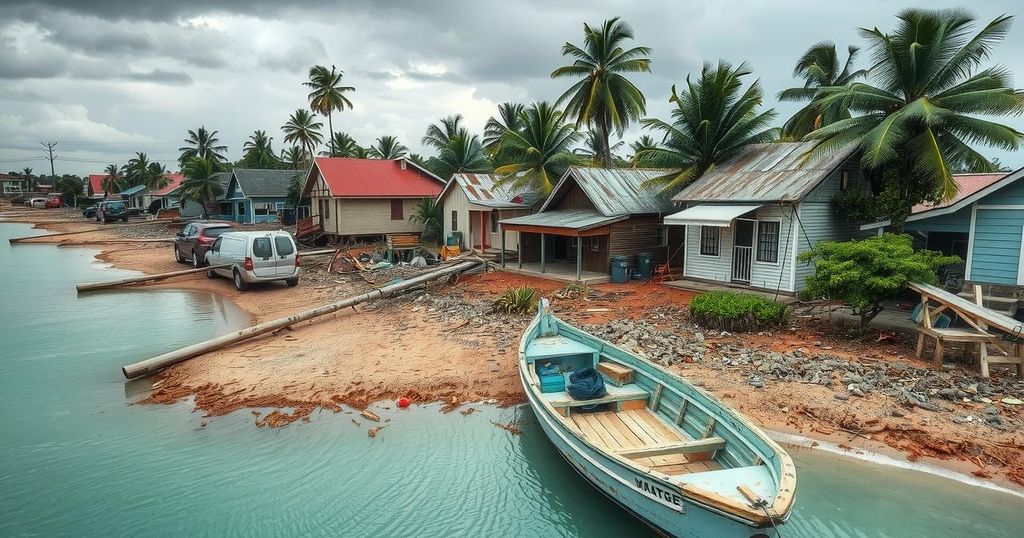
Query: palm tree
x,y
26,174
141,171
593,148
201,184
342,145
819,67
204,144
294,158
603,98
431,214
303,129
713,119
387,147
439,135
645,142
917,118
540,152
462,153
327,94
258,152
113,181
507,120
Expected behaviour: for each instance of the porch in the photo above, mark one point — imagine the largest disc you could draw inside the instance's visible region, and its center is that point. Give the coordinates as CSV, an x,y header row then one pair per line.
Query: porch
x,y
558,270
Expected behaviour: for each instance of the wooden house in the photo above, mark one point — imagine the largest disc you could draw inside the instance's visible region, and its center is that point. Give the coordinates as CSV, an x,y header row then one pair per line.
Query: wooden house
x,y
748,219
367,198
474,204
591,215
983,224
253,196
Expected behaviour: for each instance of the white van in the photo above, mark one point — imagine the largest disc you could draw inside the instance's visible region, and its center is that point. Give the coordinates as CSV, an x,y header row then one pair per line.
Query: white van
x,y
254,257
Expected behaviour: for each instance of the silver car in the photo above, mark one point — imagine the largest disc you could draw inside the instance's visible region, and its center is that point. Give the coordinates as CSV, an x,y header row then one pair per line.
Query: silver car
x,y
251,257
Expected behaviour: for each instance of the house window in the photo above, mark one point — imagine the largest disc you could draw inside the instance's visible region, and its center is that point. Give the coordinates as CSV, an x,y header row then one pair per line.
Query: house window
x,y
494,222
768,241
710,236
595,243
278,205
455,220
262,208
325,209
661,236
574,242
397,212
844,180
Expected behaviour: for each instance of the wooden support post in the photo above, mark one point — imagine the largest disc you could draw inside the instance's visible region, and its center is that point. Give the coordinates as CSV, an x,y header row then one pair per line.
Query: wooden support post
x,y
656,398
579,258
982,346
543,240
502,246
682,412
710,428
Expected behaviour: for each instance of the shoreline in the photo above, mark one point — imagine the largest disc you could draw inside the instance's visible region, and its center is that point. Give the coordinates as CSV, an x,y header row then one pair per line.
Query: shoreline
x,y
210,382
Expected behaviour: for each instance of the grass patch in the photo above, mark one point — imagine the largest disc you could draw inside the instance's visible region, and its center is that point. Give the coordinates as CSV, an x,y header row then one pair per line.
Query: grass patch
x,y
736,312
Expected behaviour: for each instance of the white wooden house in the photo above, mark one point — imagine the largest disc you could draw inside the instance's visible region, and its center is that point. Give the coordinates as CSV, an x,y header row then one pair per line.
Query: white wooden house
x,y
474,204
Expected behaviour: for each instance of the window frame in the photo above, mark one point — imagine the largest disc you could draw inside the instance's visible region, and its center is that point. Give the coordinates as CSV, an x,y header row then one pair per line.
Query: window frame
x,y
455,220
718,241
661,236
778,242
401,209
595,243
495,217
844,180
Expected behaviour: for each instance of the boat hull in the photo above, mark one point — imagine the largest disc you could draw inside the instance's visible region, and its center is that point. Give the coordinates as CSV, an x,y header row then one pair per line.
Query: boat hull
x,y
661,507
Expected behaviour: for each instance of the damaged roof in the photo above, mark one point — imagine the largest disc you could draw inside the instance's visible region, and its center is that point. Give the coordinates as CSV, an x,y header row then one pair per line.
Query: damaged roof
x,y
573,219
483,190
774,172
614,191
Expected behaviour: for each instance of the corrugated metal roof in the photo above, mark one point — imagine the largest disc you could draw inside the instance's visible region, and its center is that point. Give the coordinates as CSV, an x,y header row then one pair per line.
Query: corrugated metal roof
x,y
615,191
483,190
573,219
776,172
132,190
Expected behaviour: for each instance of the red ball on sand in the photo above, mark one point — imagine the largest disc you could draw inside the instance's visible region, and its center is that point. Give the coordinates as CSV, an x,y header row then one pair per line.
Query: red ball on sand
x,y
403,402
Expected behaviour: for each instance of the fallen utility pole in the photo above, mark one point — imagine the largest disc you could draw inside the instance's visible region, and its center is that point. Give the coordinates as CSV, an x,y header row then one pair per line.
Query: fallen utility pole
x,y
156,364
93,286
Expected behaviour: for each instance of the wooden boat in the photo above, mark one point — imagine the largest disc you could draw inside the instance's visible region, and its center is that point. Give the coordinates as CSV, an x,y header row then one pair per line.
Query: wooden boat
x,y
668,452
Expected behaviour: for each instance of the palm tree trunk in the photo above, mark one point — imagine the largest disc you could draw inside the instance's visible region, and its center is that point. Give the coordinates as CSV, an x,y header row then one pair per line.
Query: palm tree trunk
x,y
606,151
330,127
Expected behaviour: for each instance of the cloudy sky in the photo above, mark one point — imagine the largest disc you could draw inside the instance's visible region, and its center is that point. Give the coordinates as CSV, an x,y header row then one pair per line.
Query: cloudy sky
x,y
107,78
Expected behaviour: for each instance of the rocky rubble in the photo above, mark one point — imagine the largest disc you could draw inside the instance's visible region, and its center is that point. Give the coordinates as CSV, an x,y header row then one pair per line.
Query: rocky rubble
x,y
906,384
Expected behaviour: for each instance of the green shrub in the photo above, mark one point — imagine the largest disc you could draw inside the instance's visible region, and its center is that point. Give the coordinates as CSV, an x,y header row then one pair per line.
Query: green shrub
x,y
521,300
731,311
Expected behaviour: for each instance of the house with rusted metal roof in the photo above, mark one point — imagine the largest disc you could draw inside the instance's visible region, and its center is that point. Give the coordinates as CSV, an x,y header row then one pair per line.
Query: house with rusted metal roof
x,y
474,204
747,219
591,216
366,198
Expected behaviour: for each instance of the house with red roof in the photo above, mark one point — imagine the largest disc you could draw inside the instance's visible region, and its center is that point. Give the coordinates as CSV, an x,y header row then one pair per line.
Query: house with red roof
x,y
94,185
355,198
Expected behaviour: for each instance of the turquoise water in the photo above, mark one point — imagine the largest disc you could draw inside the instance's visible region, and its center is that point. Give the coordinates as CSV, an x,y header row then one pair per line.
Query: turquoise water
x,y
78,459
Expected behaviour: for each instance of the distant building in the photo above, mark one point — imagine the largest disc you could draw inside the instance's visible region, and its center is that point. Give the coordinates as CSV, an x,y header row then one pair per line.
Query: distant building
x,y
11,185
367,198
253,195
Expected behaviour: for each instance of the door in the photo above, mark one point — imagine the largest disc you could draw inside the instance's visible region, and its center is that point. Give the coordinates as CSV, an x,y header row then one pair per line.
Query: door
x,y
264,262
742,250
285,254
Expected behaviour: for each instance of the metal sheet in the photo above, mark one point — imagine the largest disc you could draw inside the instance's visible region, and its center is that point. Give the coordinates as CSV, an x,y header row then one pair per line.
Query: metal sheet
x,y
573,219
709,215
776,172
615,191
483,190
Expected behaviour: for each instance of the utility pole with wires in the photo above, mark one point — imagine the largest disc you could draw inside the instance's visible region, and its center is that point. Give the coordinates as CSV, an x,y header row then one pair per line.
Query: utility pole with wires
x,y
50,157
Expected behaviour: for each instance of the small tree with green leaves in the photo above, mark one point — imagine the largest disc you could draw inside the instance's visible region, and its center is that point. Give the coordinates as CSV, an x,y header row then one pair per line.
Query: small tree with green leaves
x,y
864,273
430,214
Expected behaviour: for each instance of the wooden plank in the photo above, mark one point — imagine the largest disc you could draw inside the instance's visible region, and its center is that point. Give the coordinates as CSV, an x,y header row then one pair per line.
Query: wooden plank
x,y
630,405
617,374
587,429
636,428
613,423
608,440
682,412
667,433
711,444
656,397
992,318
637,416
710,428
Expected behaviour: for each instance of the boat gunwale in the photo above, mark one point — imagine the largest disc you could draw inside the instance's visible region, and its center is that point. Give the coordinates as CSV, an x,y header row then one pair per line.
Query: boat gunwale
x,y
785,481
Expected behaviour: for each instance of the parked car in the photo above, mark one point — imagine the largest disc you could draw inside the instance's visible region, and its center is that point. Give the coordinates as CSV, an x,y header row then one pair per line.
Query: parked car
x,y
90,212
55,202
19,199
37,202
108,211
192,242
253,257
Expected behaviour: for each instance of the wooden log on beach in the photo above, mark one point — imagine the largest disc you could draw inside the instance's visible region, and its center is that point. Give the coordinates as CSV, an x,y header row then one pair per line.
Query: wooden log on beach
x,y
93,286
158,363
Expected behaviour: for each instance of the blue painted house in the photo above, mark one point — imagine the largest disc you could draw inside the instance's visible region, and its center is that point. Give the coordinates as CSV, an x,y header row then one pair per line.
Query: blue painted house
x,y
984,225
254,196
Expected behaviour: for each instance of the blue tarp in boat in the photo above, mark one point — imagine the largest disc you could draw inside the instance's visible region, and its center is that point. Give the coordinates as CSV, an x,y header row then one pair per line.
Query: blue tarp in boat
x,y
586,384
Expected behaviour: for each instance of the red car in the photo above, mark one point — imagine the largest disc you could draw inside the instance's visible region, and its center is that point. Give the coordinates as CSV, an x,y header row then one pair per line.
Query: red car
x,y
54,202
